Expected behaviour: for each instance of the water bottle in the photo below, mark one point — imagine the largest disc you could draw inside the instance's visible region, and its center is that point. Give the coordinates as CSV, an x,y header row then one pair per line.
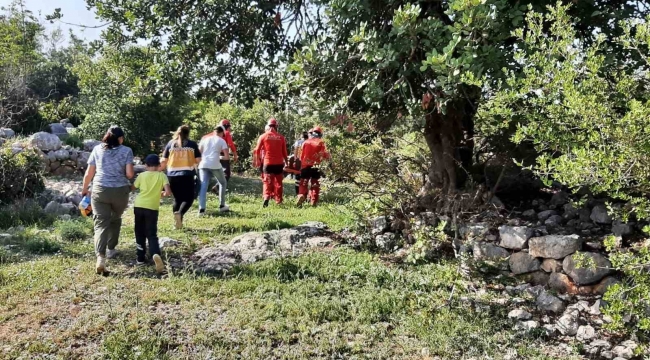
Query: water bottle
x,y
84,206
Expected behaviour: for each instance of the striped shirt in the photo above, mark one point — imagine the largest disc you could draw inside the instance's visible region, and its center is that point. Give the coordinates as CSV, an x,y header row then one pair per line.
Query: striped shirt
x,y
181,161
111,165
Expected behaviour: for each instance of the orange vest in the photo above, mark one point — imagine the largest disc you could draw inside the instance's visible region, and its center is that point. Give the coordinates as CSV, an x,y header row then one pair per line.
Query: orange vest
x,y
313,152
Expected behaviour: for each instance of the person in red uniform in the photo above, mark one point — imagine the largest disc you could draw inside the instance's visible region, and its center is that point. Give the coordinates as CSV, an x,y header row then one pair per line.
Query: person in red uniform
x,y
274,147
313,153
231,145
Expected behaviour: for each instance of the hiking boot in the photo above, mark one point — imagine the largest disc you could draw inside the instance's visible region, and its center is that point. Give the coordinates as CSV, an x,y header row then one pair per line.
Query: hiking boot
x,y
160,266
266,203
224,208
111,254
100,267
178,221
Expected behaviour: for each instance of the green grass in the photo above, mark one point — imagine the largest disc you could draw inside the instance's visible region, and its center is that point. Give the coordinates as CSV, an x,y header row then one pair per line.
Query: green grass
x,y
337,303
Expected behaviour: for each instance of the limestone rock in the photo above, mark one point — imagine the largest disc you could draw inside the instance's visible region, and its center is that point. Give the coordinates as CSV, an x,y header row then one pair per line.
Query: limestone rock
x,y
89,145
567,324
622,229
562,284
530,214
386,242
318,242
535,278
544,215
61,155
601,287
599,215
549,303
594,269
554,246
473,231
585,333
520,314
7,133
554,221
64,171
527,325
551,265
522,263
45,141
82,160
515,237
487,251
215,260
379,225
625,349
166,242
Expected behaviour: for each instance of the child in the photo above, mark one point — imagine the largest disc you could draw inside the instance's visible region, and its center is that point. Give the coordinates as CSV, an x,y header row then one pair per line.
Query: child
x,y
151,183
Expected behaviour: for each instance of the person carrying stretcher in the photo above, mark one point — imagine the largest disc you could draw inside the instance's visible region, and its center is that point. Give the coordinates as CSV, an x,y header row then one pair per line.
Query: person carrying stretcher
x,y
312,154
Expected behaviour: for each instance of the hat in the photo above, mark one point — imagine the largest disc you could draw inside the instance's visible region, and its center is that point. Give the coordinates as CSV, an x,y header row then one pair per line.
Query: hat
x,y
116,131
272,122
316,129
224,122
152,160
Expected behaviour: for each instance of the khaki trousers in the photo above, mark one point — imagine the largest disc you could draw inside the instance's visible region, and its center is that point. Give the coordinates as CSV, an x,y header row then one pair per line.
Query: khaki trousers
x,y
108,206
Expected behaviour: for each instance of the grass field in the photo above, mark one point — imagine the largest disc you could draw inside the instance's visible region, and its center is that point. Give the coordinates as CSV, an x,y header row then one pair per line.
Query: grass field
x,y
332,304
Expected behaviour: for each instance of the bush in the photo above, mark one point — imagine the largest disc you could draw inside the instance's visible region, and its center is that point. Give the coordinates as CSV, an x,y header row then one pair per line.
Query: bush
x,y
23,213
21,175
75,141
74,230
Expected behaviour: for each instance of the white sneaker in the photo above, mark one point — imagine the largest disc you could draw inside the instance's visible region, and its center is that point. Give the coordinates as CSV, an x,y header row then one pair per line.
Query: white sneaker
x,y
224,208
160,266
178,219
201,213
111,254
100,268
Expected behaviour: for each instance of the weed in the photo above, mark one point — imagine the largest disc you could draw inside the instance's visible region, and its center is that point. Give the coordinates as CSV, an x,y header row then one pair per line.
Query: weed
x,y
75,141
74,230
41,246
23,213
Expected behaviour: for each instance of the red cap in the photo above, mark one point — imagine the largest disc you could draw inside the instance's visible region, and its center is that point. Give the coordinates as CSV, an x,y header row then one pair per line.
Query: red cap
x,y
317,129
225,122
272,122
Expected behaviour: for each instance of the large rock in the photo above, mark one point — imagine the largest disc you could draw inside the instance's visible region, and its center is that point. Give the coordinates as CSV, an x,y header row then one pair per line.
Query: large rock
x,y
549,303
586,333
535,278
379,225
567,324
551,265
56,209
7,133
544,215
61,155
562,284
82,160
490,252
89,145
600,215
559,198
515,237
622,229
45,141
625,349
603,285
473,231
554,221
214,260
59,130
64,171
386,242
522,263
593,267
520,314
554,246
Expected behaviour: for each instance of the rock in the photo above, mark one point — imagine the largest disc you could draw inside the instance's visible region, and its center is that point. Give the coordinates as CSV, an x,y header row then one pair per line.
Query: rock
x,y
487,251
82,160
214,260
562,284
473,231
522,263
45,141
551,265
621,229
7,133
559,198
584,215
608,355
599,215
594,267
554,221
597,346
625,349
61,155
554,246
89,145
526,325
386,242
74,155
549,303
166,242
59,130
570,212
585,333
65,217
64,171
595,308
56,209
519,314
535,291
544,215
515,237
69,126
379,225
69,209
567,324
530,214
601,287
535,278
319,242
549,329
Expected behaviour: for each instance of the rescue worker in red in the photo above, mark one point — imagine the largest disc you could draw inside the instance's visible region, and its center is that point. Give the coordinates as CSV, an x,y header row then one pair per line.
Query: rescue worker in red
x,y
312,154
225,124
274,147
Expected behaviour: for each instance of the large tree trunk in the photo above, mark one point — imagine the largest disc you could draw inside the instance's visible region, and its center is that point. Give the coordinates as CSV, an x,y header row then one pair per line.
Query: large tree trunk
x,y
450,139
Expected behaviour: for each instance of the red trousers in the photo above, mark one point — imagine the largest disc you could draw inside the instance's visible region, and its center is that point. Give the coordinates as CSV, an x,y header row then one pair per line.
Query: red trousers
x,y
310,183
272,180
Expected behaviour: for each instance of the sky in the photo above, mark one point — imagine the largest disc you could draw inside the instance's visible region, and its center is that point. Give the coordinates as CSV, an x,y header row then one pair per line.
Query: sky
x,y
74,11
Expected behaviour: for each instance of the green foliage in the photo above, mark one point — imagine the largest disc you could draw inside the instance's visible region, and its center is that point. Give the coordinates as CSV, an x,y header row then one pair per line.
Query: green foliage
x,y
75,141
23,213
427,240
73,230
126,88
587,117
21,175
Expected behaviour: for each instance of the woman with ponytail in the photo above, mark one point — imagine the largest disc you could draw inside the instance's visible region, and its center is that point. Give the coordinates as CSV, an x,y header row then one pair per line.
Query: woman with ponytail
x,y
180,158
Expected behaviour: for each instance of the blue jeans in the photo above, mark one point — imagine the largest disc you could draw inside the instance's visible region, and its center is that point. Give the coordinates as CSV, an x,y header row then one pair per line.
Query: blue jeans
x,y
205,175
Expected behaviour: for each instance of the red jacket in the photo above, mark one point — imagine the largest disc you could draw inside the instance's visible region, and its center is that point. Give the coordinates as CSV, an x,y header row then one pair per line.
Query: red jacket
x,y
228,137
313,152
274,147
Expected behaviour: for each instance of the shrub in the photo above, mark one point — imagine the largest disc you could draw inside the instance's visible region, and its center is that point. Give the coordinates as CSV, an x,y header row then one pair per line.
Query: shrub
x,y
74,230
38,245
23,213
21,175
75,141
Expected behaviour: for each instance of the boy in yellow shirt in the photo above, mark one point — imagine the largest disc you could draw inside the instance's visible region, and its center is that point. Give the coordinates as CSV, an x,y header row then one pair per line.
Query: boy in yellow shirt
x,y
151,184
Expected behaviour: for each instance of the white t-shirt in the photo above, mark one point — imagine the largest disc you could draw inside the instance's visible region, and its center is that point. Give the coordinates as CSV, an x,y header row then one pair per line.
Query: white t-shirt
x,y
211,147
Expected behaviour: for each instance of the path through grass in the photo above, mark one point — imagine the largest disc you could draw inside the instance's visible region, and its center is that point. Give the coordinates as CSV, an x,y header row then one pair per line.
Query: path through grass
x,y
331,304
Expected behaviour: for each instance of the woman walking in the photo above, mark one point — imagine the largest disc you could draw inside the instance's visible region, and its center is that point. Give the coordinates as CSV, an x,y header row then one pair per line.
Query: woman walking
x,y
110,166
180,158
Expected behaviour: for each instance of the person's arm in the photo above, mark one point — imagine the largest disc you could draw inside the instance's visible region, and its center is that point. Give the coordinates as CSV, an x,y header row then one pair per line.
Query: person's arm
x,y
232,146
285,154
130,173
168,190
165,158
256,152
88,177
197,154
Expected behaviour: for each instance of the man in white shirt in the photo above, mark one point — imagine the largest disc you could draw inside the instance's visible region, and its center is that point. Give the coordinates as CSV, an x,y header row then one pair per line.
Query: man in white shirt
x,y
211,147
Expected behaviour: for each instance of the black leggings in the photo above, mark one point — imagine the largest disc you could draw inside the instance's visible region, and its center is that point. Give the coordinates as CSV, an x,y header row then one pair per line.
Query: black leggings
x,y
183,191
